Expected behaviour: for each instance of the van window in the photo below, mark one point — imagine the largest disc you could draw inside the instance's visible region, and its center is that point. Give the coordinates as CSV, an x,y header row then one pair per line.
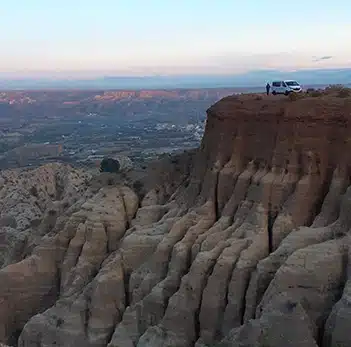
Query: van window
x,y
292,83
276,84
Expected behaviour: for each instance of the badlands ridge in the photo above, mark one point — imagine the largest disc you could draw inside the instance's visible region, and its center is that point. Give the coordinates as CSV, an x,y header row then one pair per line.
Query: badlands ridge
x,y
181,259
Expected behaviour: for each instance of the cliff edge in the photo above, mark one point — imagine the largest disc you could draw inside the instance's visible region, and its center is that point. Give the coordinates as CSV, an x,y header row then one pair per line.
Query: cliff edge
x,y
186,262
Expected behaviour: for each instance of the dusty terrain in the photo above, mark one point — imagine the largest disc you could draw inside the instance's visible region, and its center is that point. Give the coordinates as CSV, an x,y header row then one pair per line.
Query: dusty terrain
x,y
181,259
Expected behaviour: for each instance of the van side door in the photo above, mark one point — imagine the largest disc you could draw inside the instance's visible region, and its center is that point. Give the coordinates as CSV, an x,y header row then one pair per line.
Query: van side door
x,y
276,86
284,87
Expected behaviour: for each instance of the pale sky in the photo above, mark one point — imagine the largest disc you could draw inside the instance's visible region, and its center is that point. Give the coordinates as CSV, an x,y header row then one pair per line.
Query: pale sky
x,y
143,37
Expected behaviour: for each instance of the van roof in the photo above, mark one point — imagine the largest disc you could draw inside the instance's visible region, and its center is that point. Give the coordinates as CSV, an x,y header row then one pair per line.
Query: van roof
x,y
284,80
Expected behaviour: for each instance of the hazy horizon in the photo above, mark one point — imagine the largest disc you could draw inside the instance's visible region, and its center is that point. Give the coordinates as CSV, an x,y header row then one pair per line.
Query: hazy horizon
x,y
245,81
85,38
92,75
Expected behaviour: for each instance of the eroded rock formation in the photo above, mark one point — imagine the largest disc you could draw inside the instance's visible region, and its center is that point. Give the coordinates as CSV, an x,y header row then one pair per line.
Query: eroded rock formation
x,y
186,263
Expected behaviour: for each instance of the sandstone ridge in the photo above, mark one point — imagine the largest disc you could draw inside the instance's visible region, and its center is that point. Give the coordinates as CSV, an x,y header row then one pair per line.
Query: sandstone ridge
x,y
187,263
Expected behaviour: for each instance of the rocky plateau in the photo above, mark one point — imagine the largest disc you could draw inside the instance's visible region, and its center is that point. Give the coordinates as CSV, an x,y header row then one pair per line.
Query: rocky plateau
x,y
181,257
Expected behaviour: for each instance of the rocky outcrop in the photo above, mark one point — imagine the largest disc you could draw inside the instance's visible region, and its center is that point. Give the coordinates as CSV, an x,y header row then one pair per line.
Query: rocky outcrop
x,y
31,202
185,260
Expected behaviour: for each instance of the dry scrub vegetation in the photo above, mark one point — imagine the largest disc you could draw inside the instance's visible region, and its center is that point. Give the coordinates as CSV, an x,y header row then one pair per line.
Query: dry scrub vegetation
x,y
335,90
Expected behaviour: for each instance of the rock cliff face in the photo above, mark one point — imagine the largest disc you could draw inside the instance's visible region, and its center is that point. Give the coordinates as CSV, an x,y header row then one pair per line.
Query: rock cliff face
x,y
185,262
31,202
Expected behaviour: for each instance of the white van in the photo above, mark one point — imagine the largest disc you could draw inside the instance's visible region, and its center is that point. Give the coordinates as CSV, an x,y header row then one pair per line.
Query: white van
x,y
285,87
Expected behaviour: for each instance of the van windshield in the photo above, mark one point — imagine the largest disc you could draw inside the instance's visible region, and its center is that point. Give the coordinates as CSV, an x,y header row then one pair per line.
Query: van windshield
x,y
291,83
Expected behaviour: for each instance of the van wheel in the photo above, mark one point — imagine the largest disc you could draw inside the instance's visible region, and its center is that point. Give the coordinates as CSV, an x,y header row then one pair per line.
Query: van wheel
x,y
274,92
286,93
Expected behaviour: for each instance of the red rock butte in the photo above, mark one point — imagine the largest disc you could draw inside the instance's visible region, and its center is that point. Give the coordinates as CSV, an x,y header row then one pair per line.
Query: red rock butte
x,y
307,137
182,258
268,130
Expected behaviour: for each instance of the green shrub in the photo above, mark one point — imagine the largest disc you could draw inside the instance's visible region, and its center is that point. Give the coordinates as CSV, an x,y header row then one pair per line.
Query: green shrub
x,y
34,191
332,88
109,165
316,93
344,93
293,96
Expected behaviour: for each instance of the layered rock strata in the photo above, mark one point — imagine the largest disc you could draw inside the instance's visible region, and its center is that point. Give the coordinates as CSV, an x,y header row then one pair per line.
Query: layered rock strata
x,y
188,263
